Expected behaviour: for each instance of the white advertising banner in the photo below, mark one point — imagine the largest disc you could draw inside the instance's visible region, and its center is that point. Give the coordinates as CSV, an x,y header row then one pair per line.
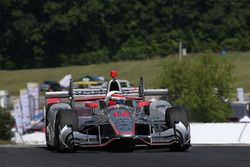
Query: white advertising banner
x,y
33,90
24,97
65,82
240,94
18,116
4,98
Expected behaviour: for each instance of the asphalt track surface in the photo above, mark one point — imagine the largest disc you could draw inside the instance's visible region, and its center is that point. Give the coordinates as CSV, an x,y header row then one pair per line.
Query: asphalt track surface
x,y
197,156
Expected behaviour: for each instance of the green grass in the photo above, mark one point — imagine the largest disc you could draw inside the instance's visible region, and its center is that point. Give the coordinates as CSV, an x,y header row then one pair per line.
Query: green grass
x,y
4,142
130,70
241,63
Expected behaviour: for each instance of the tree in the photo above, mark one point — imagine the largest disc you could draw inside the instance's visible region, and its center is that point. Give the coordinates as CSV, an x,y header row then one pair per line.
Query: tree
x,y
51,32
6,123
201,85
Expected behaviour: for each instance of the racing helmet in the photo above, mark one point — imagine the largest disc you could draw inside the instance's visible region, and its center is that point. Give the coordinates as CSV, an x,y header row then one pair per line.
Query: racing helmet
x,y
114,97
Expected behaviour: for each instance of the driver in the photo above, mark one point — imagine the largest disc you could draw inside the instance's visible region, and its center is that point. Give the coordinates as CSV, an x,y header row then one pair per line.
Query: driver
x,y
114,97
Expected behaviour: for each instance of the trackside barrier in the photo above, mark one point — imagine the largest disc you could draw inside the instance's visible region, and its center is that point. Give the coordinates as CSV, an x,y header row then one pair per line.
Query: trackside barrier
x,y
36,138
220,133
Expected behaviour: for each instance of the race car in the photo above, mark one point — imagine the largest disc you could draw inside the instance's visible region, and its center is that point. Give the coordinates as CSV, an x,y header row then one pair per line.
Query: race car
x,y
88,80
114,117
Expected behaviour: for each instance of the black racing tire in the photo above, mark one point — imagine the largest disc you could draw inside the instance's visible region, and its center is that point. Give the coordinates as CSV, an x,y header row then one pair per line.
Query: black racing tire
x,y
175,114
49,147
48,110
64,117
178,148
57,143
172,116
68,117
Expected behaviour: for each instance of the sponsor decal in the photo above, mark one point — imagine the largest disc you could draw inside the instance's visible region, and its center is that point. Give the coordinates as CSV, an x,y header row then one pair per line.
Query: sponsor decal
x,y
160,106
90,92
25,107
122,114
122,121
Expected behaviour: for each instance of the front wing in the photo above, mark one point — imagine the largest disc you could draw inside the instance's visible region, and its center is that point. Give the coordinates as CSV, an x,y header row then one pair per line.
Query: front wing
x,y
147,136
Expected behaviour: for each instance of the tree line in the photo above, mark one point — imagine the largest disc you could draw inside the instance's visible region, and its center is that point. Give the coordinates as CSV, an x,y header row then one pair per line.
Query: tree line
x,y
54,33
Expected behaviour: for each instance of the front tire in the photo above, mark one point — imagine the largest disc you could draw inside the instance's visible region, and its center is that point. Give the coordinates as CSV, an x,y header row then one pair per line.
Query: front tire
x,y
174,115
63,118
57,134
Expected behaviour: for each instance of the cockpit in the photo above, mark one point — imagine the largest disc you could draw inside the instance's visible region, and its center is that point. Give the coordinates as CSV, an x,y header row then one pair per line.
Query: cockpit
x,y
114,91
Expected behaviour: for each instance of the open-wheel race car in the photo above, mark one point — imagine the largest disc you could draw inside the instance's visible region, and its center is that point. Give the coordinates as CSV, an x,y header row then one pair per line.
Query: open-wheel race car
x,y
114,117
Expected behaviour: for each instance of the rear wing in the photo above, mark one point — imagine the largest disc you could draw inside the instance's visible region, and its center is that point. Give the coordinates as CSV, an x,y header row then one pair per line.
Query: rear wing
x,y
100,93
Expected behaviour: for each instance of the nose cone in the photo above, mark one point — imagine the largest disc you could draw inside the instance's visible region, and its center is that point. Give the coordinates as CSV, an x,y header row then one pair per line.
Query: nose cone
x,y
122,122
